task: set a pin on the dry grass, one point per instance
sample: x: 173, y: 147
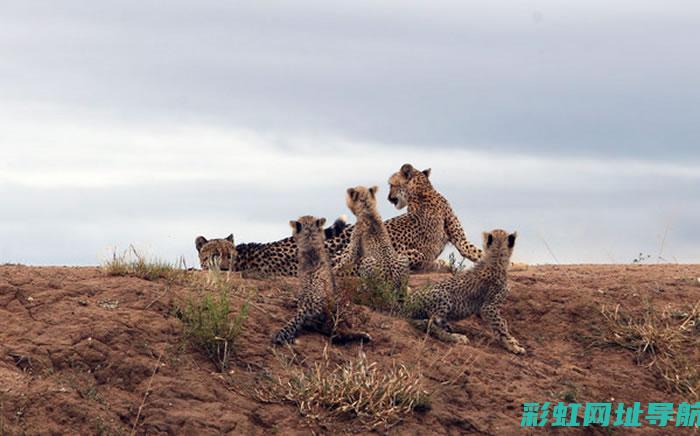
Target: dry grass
x: 133, y: 263
x: 377, y: 396
x: 666, y: 341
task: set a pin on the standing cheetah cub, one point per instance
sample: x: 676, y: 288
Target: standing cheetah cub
x: 318, y: 305
x: 370, y: 251
x: 480, y: 290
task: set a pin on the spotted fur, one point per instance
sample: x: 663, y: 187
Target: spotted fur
x: 480, y: 290
x: 370, y: 252
x: 420, y: 235
x: 216, y: 253
x: 273, y: 258
x: 318, y: 302
x: 429, y: 223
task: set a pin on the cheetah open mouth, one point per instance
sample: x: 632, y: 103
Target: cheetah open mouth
x: 398, y: 202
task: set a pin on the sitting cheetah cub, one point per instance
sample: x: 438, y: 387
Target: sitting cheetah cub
x: 318, y: 305
x: 370, y: 251
x: 480, y: 290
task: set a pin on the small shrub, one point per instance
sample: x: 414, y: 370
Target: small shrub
x: 133, y: 263
x: 358, y: 389
x: 374, y: 291
x: 667, y: 342
x: 211, y: 326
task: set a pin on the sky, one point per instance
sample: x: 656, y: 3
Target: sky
x: 150, y: 122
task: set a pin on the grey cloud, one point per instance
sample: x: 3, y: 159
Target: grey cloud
x: 549, y: 78
x: 614, y: 83
x: 76, y: 226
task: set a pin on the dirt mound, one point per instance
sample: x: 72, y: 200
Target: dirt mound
x: 82, y: 352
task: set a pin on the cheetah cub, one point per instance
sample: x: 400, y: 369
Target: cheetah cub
x: 318, y: 305
x: 480, y: 290
x: 370, y: 251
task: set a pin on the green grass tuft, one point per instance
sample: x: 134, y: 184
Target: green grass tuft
x: 211, y: 325
x: 374, y: 292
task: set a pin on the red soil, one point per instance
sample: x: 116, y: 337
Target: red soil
x: 78, y: 350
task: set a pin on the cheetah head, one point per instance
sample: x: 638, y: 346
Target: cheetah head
x: 216, y: 253
x: 308, y: 227
x: 499, y: 241
x: 405, y: 180
x: 309, y: 235
x: 360, y: 199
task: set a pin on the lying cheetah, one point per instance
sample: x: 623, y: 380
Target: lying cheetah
x: 217, y: 253
x: 480, y: 290
x: 277, y: 257
x: 318, y: 304
x: 370, y: 252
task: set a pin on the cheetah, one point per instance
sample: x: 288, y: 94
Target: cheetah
x: 480, y: 290
x: 370, y: 252
x: 429, y: 223
x: 216, y: 253
x: 319, y: 303
x: 267, y: 258
x: 420, y: 234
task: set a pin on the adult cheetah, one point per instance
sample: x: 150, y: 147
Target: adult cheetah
x: 274, y: 258
x: 216, y: 253
x: 319, y: 306
x: 370, y: 252
x: 480, y: 290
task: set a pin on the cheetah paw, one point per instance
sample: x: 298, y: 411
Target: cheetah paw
x: 459, y: 338
x: 514, y: 347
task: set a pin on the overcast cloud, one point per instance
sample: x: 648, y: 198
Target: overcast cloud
x: 151, y: 122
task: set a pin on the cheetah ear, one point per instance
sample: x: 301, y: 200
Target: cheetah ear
x: 320, y: 222
x: 407, y: 170
x: 373, y: 190
x: 295, y: 225
x: 511, y: 239
x: 352, y: 194
x: 230, y: 238
x: 488, y: 239
x: 199, y: 242
x: 427, y: 172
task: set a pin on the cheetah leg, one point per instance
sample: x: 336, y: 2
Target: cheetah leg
x: 345, y: 262
x: 291, y: 329
x: 400, y: 273
x: 414, y: 258
x: 491, y: 314
x: 456, y: 236
x: 340, y: 332
x: 345, y: 336
x: 438, y: 332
